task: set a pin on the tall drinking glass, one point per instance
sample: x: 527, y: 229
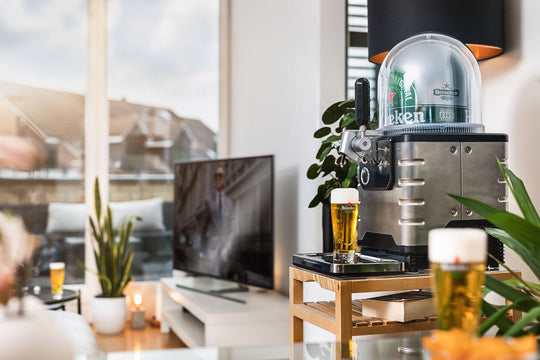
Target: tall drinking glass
x: 344, y: 210
x: 57, y: 270
x: 458, y: 260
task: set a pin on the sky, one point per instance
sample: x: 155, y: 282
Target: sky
x: 161, y: 52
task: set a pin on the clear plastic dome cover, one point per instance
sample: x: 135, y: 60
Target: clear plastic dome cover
x: 430, y: 83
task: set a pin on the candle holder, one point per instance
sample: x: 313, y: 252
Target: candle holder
x: 137, y: 315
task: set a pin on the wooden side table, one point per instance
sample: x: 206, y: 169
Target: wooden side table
x: 343, y: 317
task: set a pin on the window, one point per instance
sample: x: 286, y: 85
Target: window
x: 163, y: 105
x: 42, y: 86
x: 163, y: 90
x: 358, y: 64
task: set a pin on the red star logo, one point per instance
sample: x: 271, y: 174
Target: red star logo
x: 446, y: 85
x: 391, y: 98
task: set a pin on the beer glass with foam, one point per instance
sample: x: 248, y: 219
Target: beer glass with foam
x: 457, y: 259
x: 344, y: 210
x: 57, y: 270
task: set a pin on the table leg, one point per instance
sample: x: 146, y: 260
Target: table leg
x: 343, y: 329
x: 79, y: 302
x: 296, y: 296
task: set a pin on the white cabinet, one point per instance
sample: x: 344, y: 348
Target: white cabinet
x: 203, y: 320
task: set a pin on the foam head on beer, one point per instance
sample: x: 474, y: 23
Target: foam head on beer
x: 457, y: 245
x: 344, y: 196
x: 57, y: 265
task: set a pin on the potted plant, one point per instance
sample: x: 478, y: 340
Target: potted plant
x: 522, y: 235
x: 113, y: 258
x: 330, y: 165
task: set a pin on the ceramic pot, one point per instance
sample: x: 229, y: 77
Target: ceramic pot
x: 109, y: 314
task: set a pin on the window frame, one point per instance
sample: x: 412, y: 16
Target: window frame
x: 96, y: 117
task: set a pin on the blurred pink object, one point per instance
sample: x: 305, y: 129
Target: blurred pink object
x: 20, y: 154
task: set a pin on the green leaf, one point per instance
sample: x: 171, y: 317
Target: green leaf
x: 514, y: 225
x: 520, y: 325
x: 322, y: 132
x: 327, y: 193
x: 97, y: 200
x: 342, y: 172
x: 331, y: 139
x: 524, y: 251
x: 346, y: 183
x: 518, y: 229
x: 113, y: 258
x: 346, y: 120
x: 324, y: 151
x: 313, y: 171
x: 332, y: 114
x: 520, y: 194
x: 321, y: 189
x: 524, y: 301
x: 335, y: 111
x: 353, y: 168
x: 494, y: 318
x: 328, y: 164
x: 502, y: 323
x: 315, y: 201
x: 348, y: 104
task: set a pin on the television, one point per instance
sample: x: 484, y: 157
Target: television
x: 224, y: 219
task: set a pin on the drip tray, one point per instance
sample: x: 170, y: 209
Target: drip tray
x: 363, y: 264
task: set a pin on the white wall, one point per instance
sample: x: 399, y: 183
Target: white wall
x: 287, y: 64
x: 511, y: 97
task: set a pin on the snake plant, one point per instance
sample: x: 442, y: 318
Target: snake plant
x: 522, y: 235
x: 112, y: 253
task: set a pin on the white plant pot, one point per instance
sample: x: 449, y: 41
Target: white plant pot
x: 109, y: 314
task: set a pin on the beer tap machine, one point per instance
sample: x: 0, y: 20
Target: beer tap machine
x: 430, y: 142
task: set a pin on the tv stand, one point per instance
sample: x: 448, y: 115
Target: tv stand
x: 202, y: 320
x: 239, y: 288
x: 216, y: 293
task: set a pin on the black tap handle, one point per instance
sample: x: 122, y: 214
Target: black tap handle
x: 361, y: 101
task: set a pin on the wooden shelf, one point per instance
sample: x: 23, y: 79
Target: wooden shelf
x: 343, y: 317
x: 364, y: 325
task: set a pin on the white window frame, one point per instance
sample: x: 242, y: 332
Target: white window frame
x: 96, y: 118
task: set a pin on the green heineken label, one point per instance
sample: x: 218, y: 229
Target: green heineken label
x: 428, y: 114
x: 401, y: 93
x: 404, y: 106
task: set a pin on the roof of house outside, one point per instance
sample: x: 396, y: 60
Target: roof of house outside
x: 54, y: 114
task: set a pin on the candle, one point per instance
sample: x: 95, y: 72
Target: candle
x: 137, y: 315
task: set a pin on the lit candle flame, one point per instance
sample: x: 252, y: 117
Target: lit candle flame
x: 137, y: 299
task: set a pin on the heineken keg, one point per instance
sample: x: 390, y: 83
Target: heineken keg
x: 430, y: 83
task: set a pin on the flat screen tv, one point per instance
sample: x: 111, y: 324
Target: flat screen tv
x: 223, y: 219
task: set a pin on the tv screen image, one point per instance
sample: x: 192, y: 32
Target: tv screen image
x: 223, y: 219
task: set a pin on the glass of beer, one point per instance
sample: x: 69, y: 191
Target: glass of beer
x: 57, y: 270
x: 458, y: 260
x: 344, y: 210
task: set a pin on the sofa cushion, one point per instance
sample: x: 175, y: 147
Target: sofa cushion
x: 150, y: 210
x: 71, y: 217
x: 66, y: 217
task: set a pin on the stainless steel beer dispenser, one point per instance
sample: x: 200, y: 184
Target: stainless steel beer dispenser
x: 430, y: 142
